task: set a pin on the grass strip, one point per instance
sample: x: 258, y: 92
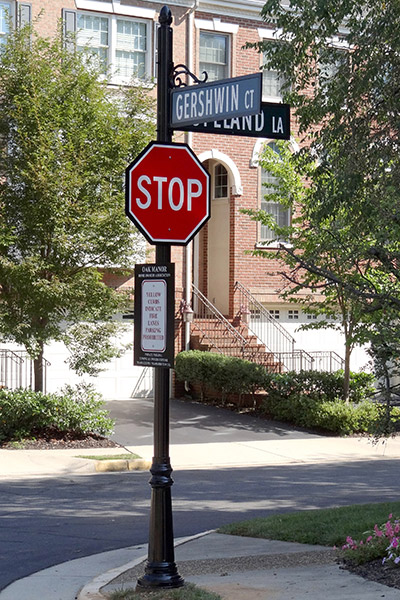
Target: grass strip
x: 187, y: 592
x: 326, y: 527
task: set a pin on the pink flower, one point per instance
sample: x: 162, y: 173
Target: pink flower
x: 378, y: 532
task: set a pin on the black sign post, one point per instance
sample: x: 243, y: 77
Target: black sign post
x: 161, y: 570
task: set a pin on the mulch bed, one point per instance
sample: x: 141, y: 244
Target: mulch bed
x: 375, y: 571
x: 52, y: 439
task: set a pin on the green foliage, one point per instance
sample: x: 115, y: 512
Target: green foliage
x: 326, y: 527
x: 65, y: 142
x: 309, y: 399
x: 25, y: 413
x: 335, y: 415
x: 219, y: 373
x: 188, y: 592
x: 341, y: 70
x: 383, y: 541
x: 91, y: 345
x: 318, y: 385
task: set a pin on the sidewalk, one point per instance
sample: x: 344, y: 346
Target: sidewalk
x: 45, y: 463
x: 236, y: 568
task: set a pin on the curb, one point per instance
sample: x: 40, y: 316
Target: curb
x: 136, y: 464
x: 91, y: 591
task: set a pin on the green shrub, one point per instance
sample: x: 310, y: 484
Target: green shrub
x: 335, y: 416
x: 219, y: 373
x: 24, y: 413
x: 320, y: 385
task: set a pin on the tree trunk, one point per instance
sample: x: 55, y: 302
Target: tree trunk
x: 38, y: 372
x: 346, y: 378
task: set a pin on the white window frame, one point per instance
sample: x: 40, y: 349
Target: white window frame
x: 265, y: 35
x: 219, y: 28
x: 227, y: 50
x: 19, y: 12
x: 10, y: 8
x: 264, y: 241
x: 112, y: 45
x: 215, y: 167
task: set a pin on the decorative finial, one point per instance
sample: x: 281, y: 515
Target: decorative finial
x: 165, y: 16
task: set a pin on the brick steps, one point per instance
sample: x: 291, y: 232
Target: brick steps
x: 208, y: 335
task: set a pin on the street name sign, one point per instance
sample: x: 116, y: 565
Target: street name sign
x: 273, y: 122
x: 154, y: 315
x: 167, y: 193
x: 222, y: 99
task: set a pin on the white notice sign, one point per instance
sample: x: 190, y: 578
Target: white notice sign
x: 154, y: 316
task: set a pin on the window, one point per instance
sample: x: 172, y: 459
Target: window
x: 131, y: 48
x: 214, y: 55
x: 329, y: 62
x: 271, y: 85
x: 293, y: 315
x: 120, y: 44
x: 93, y: 35
x: 280, y: 214
x: 5, y: 9
x: 274, y: 312
x: 7, y: 12
x: 311, y: 317
x: 220, y: 182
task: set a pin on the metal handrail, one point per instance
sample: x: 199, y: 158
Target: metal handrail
x: 21, y: 375
x: 280, y: 343
x: 329, y: 358
x: 212, y: 311
x: 252, y: 302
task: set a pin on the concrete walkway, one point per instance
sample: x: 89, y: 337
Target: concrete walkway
x: 15, y: 464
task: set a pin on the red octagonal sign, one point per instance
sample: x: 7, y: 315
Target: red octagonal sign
x: 167, y: 193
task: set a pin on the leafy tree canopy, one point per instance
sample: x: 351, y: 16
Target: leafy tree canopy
x: 66, y: 139
x: 340, y: 64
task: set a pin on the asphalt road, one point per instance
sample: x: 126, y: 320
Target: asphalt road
x: 52, y: 520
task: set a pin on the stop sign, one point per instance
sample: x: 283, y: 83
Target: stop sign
x: 167, y: 193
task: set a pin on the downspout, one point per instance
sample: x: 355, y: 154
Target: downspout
x: 189, y: 140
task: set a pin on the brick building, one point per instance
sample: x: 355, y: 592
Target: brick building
x: 209, y: 35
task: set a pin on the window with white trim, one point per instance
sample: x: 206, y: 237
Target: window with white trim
x: 272, y: 84
x: 293, y: 315
x: 214, y: 55
x: 5, y: 11
x: 9, y: 11
x: 121, y: 45
x: 220, y: 181
x: 280, y: 213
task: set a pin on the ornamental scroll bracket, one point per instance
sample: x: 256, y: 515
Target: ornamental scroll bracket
x: 176, y: 80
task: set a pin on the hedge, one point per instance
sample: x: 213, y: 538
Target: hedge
x: 25, y: 413
x: 310, y: 399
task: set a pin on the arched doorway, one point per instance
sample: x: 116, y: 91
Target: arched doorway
x: 212, y: 247
x: 218, y: 239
